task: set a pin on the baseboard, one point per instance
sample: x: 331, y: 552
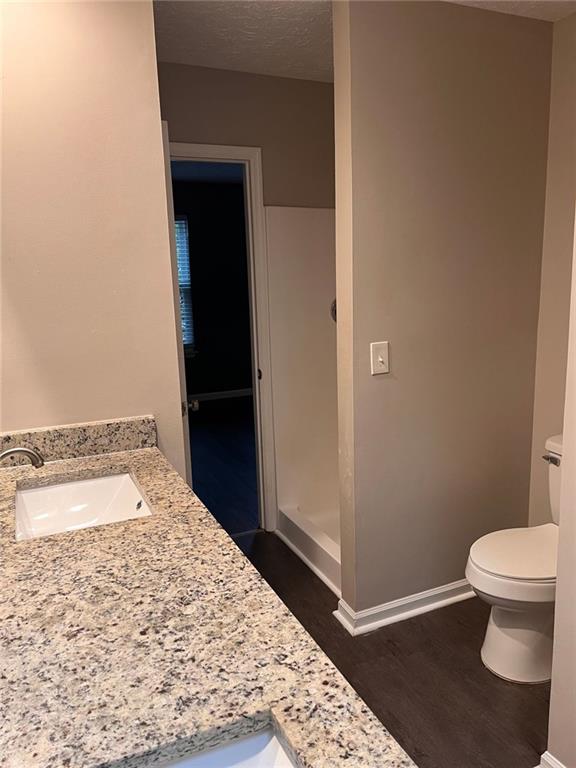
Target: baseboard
x: 549, y: 761
x: 359, y: 622
x: 312, y: 546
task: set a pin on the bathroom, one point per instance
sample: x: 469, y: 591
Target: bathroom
x: 454, y: 220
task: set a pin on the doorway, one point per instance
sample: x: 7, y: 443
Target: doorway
x: 212, y: 244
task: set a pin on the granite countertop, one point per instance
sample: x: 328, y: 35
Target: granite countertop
x: 134, y: 643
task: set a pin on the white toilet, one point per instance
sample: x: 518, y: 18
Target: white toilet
x: 515, y: 572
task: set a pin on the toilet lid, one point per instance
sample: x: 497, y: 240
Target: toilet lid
x: 518, y: 553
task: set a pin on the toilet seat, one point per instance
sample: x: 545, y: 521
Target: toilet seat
x: 518, y: 553
x: 516, y: 564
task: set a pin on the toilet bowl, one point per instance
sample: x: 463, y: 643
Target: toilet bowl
x: 514, y: 571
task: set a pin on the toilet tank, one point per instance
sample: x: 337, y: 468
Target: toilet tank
x: 554, y: 458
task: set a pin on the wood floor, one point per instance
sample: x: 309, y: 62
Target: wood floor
x: 223, y: 450
x: 423, y: 677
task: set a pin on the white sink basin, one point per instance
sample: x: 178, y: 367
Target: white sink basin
x: 263, y: 750
x: 80, y: 504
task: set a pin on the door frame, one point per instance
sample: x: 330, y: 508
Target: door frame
x: 251, y: 159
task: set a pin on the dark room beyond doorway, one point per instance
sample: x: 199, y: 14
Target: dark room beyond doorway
x: 213, y: 277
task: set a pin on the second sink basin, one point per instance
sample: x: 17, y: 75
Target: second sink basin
x: 261, y: 750
x: 78, y: 504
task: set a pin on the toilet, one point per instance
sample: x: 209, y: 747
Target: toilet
x: 514, y: 571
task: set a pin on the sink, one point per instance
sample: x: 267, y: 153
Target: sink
x: 261, y: 750
x: 79, y: 504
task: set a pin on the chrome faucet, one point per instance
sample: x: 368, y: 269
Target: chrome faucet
x: 35, y: 457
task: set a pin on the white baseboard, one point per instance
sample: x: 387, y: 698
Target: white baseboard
x: 359, y: 622
x: 549, y: 761
x: 315, y: 548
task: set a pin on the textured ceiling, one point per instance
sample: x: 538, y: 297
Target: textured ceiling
x: 548, y: 10
x: 285, y: 38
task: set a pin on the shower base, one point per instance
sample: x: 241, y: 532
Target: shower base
x: 318, y: 547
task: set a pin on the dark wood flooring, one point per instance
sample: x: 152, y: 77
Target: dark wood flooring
x: 223, y: 452
x: 423, y: 677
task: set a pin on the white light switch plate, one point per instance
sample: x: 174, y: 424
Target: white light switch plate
x: 379, y: 358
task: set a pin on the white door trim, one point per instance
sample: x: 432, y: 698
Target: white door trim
x: 359, y: 622
x: 251, y: 159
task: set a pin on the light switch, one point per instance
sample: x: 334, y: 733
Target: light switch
x: 379, y: 358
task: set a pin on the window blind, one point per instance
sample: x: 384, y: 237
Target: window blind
x: 184, y: 280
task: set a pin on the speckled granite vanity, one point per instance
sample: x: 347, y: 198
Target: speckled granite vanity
x: 131, y: 644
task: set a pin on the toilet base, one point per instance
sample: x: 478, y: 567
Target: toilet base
x: 518, y: 642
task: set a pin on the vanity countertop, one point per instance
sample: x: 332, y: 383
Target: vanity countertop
x: 131, y: 644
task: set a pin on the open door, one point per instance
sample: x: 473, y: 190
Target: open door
x: 174, y: 266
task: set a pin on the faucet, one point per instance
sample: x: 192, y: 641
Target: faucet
x: 35, y: 457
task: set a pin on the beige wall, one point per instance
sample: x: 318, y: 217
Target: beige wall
x: 446, y: 148
x: 88, y: 329
x: 303, y: 340
x: 292, y: 120
x: 556, y: 263
x: 553, y: 352
x: 345, y: 264
x: 561, y: 733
